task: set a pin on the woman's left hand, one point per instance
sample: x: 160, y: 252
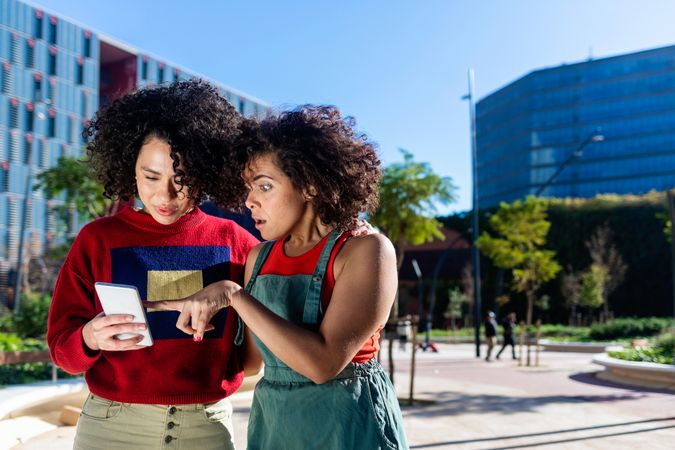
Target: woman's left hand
x: 360, y: 227
x: 197, y: 310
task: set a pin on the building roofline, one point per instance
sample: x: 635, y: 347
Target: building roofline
x: 136, y: 51
x: 565, y: 65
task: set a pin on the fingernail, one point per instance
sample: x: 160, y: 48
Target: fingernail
x: 197, y: 338
x: 129, y: 318
x: 141, y: 327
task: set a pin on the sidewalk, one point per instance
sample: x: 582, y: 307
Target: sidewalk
x: 471, y: 404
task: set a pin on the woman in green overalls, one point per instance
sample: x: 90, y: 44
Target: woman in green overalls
x: 316, y: 298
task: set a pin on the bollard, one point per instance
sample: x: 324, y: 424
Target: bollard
x: 521, y: 341
x: 536, y: 343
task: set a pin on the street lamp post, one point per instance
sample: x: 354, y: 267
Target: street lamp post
x: 593, y: 137
x: 474, y: 226
x: 420, y: 290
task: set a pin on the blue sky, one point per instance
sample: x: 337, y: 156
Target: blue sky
x: 399, y: 67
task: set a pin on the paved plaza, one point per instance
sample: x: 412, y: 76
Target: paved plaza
x: 466, y: 403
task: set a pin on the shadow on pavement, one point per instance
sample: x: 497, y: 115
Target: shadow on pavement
x: 450, y: 403
x: 556, y: 432
x: 591, y: 378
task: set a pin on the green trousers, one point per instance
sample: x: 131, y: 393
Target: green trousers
x: 105, y: 424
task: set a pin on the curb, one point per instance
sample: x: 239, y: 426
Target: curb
x: 644, y: 374
x: 21, y: 396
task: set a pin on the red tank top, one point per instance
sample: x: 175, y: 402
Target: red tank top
x: 278, y: 263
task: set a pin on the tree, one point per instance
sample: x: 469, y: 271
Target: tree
x: 73, y: 178
x: 571, y: 291
x: 592, y: 286
x: 408, y: 193
x: 468, y: 287
x: 521, y: 229
x: 605, y: 255
x: 455, y: 306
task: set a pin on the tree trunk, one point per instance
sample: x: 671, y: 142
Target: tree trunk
x: 530, y: 305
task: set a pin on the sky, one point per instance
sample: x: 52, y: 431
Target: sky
x: 398, y: 67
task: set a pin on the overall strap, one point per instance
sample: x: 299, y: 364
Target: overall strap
x: 262, y: 256
x: 312, y: 308
x: 259, y: 261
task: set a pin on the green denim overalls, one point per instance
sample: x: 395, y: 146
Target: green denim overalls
x: 357, y: 409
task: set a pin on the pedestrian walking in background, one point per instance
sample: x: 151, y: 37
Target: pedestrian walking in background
x: 509, y: 324
x: 490, y: 333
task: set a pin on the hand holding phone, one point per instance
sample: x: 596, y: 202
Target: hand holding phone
x: 120, y: 300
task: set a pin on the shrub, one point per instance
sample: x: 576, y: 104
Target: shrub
x: 10, y: 342
x: 32, y: 318
x: 25, y: 372
x: 662, y: 352
x: 630, y: 327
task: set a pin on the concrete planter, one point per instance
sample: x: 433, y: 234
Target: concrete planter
x: 579, y: 347
x: 24, y: 357
x: 636, y: 373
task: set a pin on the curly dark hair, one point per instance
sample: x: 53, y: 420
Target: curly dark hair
x: 191, y: 116
x: 314, y: 146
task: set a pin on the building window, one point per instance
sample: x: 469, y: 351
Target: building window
x: 49, y: 91
x: 28, y: 149
x: 74, y: 130
x: 5, y: 175
x: 14, y: 146
x: 68, y: 130
x: 51, y: 62
x: 6, y: 78
x: 51, y: 32
x: 87, y: 44
x: 14, y: 113
x: 79, y: 75
x: 241, y: 105
x: 160, y: 73
x: 37, y: 87
x: 44, y: 154
x: 29, y: 117
x: 144, y: 68
x: 15, y: 49
x: 84, y: 107
x: 51, y: 124
x: 38, y: 24
x: 30, y: 53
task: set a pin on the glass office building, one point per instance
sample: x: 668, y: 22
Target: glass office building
x: 529, y: 128
x: 54, y: 74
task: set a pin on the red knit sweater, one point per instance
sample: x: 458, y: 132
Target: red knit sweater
x: 163, y: 262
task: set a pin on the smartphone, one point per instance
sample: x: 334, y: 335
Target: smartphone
x: 124, y: 299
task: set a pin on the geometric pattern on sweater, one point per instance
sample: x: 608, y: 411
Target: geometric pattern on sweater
x: 170, y: 272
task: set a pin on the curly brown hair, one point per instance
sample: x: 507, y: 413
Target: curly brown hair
x: 191, y: 116
x: 315, y: 147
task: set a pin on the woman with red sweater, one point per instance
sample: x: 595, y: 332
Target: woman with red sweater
x: 158, y: 145
x: 316, y: 298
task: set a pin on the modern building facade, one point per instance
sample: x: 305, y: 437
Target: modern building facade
x: 529, y: 128
x: 54, y: 74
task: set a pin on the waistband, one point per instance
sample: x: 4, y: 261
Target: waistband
x: 184, y: 407
x: 353, y: 370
